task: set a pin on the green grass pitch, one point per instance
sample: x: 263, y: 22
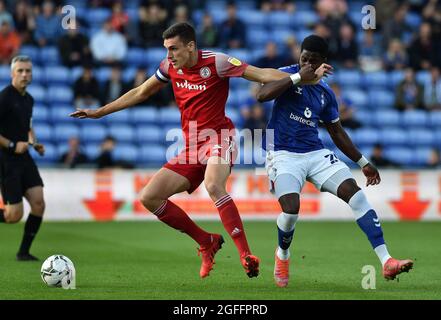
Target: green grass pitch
x: 150, y: 261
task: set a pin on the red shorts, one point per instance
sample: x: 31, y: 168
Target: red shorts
x: 192, y: 163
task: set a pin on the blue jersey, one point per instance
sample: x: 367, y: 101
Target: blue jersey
x: 296, y: 114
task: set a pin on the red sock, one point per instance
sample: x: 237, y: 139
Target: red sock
x: 175, y: 217
x: 233, y: 223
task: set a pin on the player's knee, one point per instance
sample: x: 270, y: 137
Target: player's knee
x: 214, y: 189
x: 347, y: 189
x: 290, y: 203
x: 149, y: 199
x: 38, y: 207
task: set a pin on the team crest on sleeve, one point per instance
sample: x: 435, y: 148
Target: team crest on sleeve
x: 205, y: 72
x: 234, y: 61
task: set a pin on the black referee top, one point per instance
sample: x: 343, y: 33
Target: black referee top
x: 15, y: 119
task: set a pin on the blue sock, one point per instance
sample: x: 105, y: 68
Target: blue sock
x: 285, y: 238
x: 370, y: 224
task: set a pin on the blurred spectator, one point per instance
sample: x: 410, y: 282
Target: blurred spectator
x: 345, y: 109
x: 180, y: 14
x: 9, y: 42
x: 379, y: 160
x: 388, y: 8
x: 396, y: 27
x: 232, y: 31
x: 119, y: 19
x: 293, y: 50
x: 396, y: 56
x: 208, y: 36
x: 86, y: 90
x: 172, y: 5
x: 73, y: 156
x: 432, y: 90
x: 108, y: 46
x: 146, y: 32
x: 256, y: 122
x: 163, y: 97
x: 434, y: 160
x: 48, y: 26
x: 323, y: 31
x: 4, y: 14
x: 409, y: 94
x: 432, y: 14
x: 370, y: 53
x: 424, y: 51
x: 271, y: 59
x: 106, y: 160
x: 74, y: 47
x: 276, y: 5
x: 114, y: 87
x: 24, y: 21
x: 347, y: 53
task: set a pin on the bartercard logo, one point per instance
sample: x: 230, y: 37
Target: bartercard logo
x: 302, y: 120
x: 190, y: 86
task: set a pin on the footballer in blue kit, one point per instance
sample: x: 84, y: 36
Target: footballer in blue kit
x: 297, y: 155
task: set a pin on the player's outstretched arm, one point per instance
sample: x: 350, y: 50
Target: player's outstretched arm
x: 345, y: 144
x: 131, y: 98
x: 306, y: 75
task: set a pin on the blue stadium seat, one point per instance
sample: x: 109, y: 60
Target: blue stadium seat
x: 97, y: 16
x: 358, y: 97
x: 57, y: 75
x: 326, y: 138
x: 93, y: 132
x: 128, y: 74
x: 394, y: 137
x: 63, y: 132
x: 103, y: 74
x: 304, y: 19
x: 133, y: 14
x: 38, y: 75
x: 245, y: 5
x: 76, y: 73
x: 43, y: 131
x: 59, y: 94
x: 387, y: 118
x: 126, y: 151
x: 234, y: 115
x: 364, y: 116
x: 40, y: 113
x: 400, y: 155
x: 5, y: 73
x: 239, y: 83
x: 422, y: 156
x: 92, y: 150
x: 32, y: 52
x: 144, y: 114
x: 377, y: 79
x: 215, y: 5
x: 414, y: 118
x: 302, y: 34
x: 435, y: 119
x: 277, y: 19
x: 366, y: 136
x: 253, y: 18
x: 348, y: 78
x: 122, y: 116
x: 153, y: 154
x: 154, y: 56
x: 381, y: 99
x: 413, y: 20
x: 49, y: 56
x: 149, y: 134
x: 233, y: 98
x: 280, y: 36
x: 136, y: 57
x: 423, y: 76
x: 421, y: 137
x: 257, y: 37
x: 121, y: 132
x: 170, y: 116
x: 242, y: 95
x: 438, y: 138
x: 37, y: 92
x: 60, y: 113
x: 241, y: 54
x: 395, y: 77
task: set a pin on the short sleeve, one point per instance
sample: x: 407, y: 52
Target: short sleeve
x: 329, y: 113
x: 227, y: 66
x: 162, y: 71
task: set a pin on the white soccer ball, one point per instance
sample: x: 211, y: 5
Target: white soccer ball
x: 57, y: 268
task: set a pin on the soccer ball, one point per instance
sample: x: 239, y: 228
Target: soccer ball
x: 57, y: 269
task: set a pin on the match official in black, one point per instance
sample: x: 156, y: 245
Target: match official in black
x: 19, y: 176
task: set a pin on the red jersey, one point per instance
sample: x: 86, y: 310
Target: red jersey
x: 202, y: 90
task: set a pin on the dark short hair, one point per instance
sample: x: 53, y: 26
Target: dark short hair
x: 183, y: 30
x: 315, y: 43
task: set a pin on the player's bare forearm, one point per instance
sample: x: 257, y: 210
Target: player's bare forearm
x: 342, y: 141
x: 272, y: 90
x: 263, y: 75
x: 4, y: 142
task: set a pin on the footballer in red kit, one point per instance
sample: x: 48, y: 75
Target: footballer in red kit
x: 200, y: 81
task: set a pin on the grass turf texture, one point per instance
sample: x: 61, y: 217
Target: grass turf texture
x: 147, y: 260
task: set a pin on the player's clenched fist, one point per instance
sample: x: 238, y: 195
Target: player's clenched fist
x: 311, y: 76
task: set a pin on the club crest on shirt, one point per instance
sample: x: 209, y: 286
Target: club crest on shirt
x: 307, y: 113
x: 234, y: 61
x: 205, y: 72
